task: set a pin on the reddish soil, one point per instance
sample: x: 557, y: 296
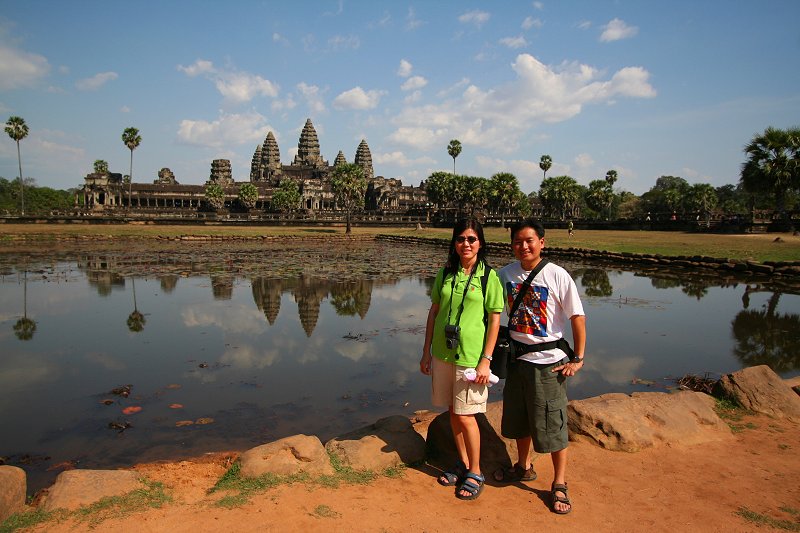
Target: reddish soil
x: 670, y: 488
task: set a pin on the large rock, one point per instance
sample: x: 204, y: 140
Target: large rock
x: 496, y: 451
x: 75, y: 488
x: 13, y: 484
x: 646, y: 419
x: 389, y: 442
x: 288, y: 456
x: 794, y: 383
x: 759, y: 389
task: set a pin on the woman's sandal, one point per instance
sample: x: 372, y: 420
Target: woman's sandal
x: 453, y: 476
x: 514, y: 473
x: 473, y: 485
x: 556, y: 488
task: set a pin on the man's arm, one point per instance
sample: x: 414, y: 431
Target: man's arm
x: 578, y: 323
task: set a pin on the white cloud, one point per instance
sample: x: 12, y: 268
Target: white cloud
x: 538, y: 5
x: 514, y: 42
x: 96, y: 81
x: 21, y: 69
x: 235, y: 86
x: 400, y: 159
x: 342, y: 42
x: 226, y: 130
x: 280, y: 39
x: 584, y: 25
x: 313, y: 96
x: 124, y: 109
x: 413, y: 83
x: 496, y: 117
x: 584, y: 161
x: 413, y: 98
x: 617, y: 30
x: 531, y: 22
x: 412, y: 22
x: 358, y: 98
x: 475, y: 17
x: 404, y: 70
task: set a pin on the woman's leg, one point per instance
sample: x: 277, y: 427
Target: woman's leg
x: 468, y: 442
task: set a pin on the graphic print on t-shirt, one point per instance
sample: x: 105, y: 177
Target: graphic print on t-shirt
x: 531, y: 315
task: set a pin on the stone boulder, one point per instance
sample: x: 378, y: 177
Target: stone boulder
x: 642, y: 420
x: 794, y: 383
x: 13, y: 484
x: 288, y: 456
x: 389, y: 442
x: 76, y: 488
x: 496, y: 451
x: 760, y: 389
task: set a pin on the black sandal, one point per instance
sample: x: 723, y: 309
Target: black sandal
x: 554, y: 490
x: 514, y: 473
x: 454, y: 476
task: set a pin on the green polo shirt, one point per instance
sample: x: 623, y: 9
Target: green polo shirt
x: 473, y: 330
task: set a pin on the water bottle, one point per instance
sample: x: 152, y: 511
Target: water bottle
x: 470, y: 374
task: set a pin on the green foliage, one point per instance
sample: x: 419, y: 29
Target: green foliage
x: 454, y: 149
x: 349, y: 187
x: 215, y: 195
x: 560, y: 196
x: 773, y: 164
x: 504, y: 193
x: 38, y: 200
x: 100, y: 166
x: 759, y: 519
x: 30, y: 519
x: 545, y: 162
x: 287, y: 197
x: 248, y: 195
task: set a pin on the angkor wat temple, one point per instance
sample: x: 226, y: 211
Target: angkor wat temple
x: 312, y: 173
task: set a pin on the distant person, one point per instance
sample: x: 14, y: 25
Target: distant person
x: 570, y: 228
x: 535, y: 393
x: 457, y: 338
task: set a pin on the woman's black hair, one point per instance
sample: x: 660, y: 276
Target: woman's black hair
x: 453, y: 260
x: 532, y: 223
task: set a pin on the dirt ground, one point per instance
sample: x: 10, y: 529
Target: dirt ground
x: 703, y: 487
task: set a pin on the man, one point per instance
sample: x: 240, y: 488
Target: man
x: 535, y: 393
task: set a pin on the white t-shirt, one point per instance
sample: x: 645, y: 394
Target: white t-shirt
x: 544, y: 312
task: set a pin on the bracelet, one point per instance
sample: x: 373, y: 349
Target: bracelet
x: 487, y: 357
x: 577, y: 359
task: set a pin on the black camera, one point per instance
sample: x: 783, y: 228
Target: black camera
x: 452, y: 335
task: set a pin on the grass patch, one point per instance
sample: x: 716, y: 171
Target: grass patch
x: 760, y: 520
x: 151, y: 496
x: 241, y: 488
x: 733, y: 413
x: 324, y: 511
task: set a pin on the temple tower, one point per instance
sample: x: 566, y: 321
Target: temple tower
x: 308, y: 148
x: 364, y: 158
x: 221, y: 172
x: 340, y: 160
x: 266, y: 165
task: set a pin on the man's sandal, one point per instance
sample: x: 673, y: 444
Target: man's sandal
x: 473, y: 485
x: 556, y: 488
x: 514, y: 473
x: 453, y: 476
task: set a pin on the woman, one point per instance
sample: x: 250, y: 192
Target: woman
x: 460, y: 334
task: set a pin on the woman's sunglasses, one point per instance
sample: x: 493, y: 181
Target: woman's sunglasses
x: 472, y: 239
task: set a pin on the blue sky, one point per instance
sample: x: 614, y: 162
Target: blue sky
x: 642, y: 87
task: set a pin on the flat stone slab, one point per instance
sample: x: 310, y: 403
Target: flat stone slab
x: 646, y: 419
x: 760, y: 389
x: 13, y: 484
x: 76, y: 488
x: 288, y: 456
x: 387, y: 443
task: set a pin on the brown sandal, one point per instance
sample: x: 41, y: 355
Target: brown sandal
x: 514, y: 474
x: 556, y: 488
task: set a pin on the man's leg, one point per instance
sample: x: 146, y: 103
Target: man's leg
x: 523, y: 452
x: 559, y: 477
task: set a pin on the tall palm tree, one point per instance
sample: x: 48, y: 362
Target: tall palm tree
x: 773, y: 165
x: 349, y: 187
x: 131, y: 139
x: 545, y: 162
x: 25, y: 327
x: 136, y: 319
x: 18, y: 130
x: 454, y: 149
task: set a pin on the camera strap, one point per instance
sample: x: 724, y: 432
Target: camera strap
x: 463, y: 297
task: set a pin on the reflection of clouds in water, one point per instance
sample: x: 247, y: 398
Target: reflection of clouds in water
x: 250, y: 357
x: 355, y: 350
x: 231, y: 319
x: 396, y: 292
x: 23, y: 374
x: 106, y: 361
x: 312, y: 352
x: 618, y: 371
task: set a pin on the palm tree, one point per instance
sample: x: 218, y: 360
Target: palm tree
x: 773, y: 165
x: 131, y: 139
x: 349, y: 187
x: 545, y: 162
x: 136, y: 320
x: 25, y: 327
x: 18, y: 130
x: 454, y: 149
x: 503, y: 189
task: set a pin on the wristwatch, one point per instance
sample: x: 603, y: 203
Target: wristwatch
x: 576, y: 359
x: 488, y: 357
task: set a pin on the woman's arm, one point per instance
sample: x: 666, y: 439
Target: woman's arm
x: 425, y: 361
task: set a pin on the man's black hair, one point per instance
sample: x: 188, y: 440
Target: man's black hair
x: 532, y: 223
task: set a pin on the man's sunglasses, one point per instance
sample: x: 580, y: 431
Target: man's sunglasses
x: 472, y: 239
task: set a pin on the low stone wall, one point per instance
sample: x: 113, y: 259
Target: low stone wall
x: 768, y: 270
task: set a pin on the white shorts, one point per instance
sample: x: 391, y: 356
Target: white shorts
x: 450, y: 389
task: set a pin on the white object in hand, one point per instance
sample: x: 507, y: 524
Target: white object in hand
x: 470, y: 375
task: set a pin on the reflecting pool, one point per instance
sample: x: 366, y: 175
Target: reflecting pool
x: 130, y: 353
